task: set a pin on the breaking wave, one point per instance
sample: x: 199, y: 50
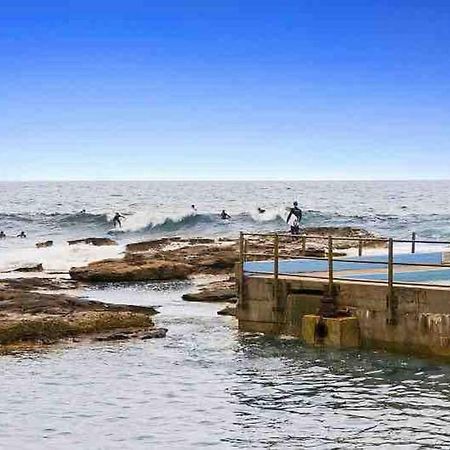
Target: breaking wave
x: 149, y: 223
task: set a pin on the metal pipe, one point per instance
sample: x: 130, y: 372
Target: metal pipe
x: 413, y: 243
x: 303, y: 245
x: 360, y: 247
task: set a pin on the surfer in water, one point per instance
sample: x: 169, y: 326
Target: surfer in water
x: 2, y: 235
x: 22, y: 235
x: 116, y: 220
x: 296, y: 213
x: 194, y: 210
x: 224, y: 215
x: 261, y: 210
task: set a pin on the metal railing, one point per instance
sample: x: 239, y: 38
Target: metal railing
x: 329, y: 257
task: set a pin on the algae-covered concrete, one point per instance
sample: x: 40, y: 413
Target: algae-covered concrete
x: 421, y: 324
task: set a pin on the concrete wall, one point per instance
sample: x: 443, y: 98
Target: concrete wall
x: 422, y: 324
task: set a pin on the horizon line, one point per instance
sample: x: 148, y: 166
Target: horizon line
x: 228, y: 180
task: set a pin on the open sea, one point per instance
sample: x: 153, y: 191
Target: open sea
x: 207, y: 385
x: 51, y: 211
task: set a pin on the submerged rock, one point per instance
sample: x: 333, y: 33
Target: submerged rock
x: 113, y: 337
x: 157, y: 333
x: 35, y: 268
x: 44, y: 244
x: 93, y: 241
x: 227, y: 311
x: 111, y: 270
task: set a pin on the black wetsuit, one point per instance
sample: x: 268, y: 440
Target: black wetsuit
x: 224, y: 215
x: 298, y: 214
x: 116, y: 220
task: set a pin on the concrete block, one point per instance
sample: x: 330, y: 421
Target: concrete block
x: 309, y: 325
x: 341, y: 332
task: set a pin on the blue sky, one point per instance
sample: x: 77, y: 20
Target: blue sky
x: 224, y: 89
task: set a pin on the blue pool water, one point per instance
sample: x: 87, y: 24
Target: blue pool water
x: 293, y: 266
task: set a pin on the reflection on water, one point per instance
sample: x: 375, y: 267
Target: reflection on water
x: 208, y: 385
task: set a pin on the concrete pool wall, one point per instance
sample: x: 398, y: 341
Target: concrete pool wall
x: 422, y: 314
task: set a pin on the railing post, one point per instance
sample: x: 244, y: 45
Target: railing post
x: 330, y: 265
x: 245, y: 250
x: 304, y: 245
x: 276, y: 252
x: 360, y: 247
x: 413, y: 242
x: 241, y: 269
x: 391, y: 299
x: 391, y: 265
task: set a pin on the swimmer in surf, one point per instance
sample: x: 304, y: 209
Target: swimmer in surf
x: 22, y: 235
x: 261, y: 210
x: 2, y: 235
x: 224, y: 215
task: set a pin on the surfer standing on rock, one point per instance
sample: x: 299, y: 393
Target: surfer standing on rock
x: 297, y: 213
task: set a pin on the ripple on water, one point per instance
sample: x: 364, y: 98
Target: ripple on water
x: 206, y: 384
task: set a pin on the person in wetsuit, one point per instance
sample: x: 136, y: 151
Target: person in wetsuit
x: 22, y: 235
x: 261, y: 210
x: 2, y: 235
x: 224, y: 215
x: 296, y: 212
x: 116, y: 220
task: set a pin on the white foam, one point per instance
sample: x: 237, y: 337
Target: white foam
x: 59, y: 258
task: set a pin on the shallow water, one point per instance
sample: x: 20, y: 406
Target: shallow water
x: 208, y: 385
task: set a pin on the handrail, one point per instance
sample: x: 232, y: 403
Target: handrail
x: 390, y: 262
x: 348, y: 238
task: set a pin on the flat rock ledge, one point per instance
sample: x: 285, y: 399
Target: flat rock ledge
x: 35, y: 317
x: 120, y: 270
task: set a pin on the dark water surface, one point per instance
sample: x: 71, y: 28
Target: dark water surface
x: 208, y: 385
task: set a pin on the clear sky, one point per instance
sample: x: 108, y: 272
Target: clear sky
x: 224, y: 89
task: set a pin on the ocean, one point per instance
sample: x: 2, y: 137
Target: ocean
x: 52, y: 211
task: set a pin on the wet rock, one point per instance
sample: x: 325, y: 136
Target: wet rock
x: 145, y: 246
x: 35, y: 268
x: 31, y: 316
x: 93, y: 241
x: 211, y: 295
x: 114, y: 337
x: 197, y: 240
x: 227, y: 311
x: 44, y: 244
x: 157, y: 333
x: 115, y: 270
x: 39, y: 283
